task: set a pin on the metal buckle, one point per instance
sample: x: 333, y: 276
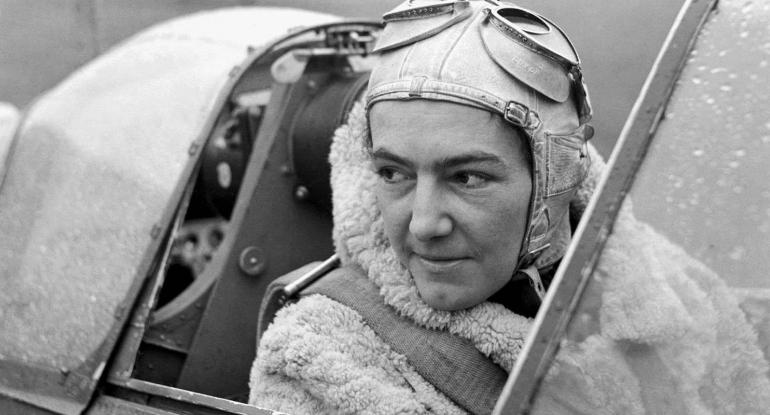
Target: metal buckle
x: 519, y: 115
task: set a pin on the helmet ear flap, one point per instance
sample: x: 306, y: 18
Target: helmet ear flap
x: 560, y: 163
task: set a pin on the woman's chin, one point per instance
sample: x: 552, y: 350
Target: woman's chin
x: 447, y: 290
x: 443, y: 299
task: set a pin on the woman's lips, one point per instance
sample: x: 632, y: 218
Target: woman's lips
x: 438, y: 264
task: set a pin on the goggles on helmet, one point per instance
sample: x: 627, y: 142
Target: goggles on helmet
x: 530, y: 28
x: 551, y: 64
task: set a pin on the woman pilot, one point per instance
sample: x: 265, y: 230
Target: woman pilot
x: 452, y: 188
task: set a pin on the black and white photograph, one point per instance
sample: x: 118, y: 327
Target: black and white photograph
x: 265, y: 207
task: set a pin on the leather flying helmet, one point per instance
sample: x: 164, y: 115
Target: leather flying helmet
x: 509, y: 61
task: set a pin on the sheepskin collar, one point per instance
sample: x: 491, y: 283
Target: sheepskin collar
x: 359, y: 238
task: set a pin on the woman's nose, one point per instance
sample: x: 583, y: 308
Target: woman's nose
x: 429, y: 216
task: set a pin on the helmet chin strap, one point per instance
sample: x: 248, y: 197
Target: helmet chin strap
x: 531, y: 272
x: 534, y: 279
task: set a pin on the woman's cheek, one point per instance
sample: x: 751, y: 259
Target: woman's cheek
x: 395, y: 220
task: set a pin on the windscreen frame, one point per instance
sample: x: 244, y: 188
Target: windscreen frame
x: 591, y: 234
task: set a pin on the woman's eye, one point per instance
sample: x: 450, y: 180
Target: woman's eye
x: 471, y: 180
x: 391, y: 175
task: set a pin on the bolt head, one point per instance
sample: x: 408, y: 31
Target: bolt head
x: 301, y: 193
x: 252, y: 261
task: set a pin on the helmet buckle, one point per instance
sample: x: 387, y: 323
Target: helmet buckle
x: 519, y: 115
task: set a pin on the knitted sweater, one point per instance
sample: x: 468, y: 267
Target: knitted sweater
x: 319, y: 356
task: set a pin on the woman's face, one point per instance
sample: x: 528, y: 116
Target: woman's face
x: 454, y: 193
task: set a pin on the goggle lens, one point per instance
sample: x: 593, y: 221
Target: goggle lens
x: 538, y: 33
x: 525, y: 21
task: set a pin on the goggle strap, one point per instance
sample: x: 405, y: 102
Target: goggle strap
x: 388, y: 44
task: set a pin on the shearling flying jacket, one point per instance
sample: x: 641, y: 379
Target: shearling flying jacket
x: 669, y: 337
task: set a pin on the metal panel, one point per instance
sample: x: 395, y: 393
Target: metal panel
x: 276, y: 225
x: 123, y: 364
x: 106, y: 405
x: 153, y: 399
x: 592, y: 233
x: 10, y: 406
x: 282, y: 232
x: 122, y: 173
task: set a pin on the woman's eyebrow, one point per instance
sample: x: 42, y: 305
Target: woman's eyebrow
x: 472, y: 157
x: 384, y: 154
x: 445, y: 163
